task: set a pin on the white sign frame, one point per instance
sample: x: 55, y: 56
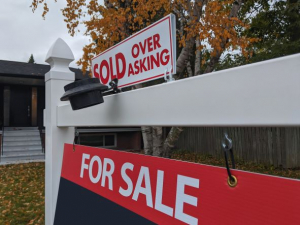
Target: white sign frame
x: 260, y: 94
x: 152, y: 55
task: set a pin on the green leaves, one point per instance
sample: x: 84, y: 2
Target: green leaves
x: 276, y: 24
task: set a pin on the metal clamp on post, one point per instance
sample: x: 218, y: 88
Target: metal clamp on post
x: 227, y: 147
x: 168, y: 75
x: 114, y: 86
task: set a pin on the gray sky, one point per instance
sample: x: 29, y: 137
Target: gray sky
x: 23, y: 33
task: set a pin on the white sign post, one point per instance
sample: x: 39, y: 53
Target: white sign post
x: 59, y: 57
x: 147, y: 55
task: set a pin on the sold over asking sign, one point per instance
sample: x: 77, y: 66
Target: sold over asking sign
x: 144, y: 56
x: 100, y: 186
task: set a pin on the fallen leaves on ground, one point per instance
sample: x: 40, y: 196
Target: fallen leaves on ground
x: 22, y: 195
x: 240, y: 164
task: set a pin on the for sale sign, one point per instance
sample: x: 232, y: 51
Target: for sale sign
x: 100, y: 186
x: 144, y: 56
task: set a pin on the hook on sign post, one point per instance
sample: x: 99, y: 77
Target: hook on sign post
x: 168, y: 75
x: 227, y: 146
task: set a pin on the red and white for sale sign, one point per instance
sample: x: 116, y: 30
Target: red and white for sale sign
x: 100, y: 186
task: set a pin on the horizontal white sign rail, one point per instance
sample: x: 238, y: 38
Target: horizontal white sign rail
x: 261, y: 94
x: 142, y: 57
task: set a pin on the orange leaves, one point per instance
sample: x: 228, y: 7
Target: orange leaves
x: 73, y: 13
x: 115, y: 20
x: 219, y: 29
x: 22, y: 193
x: 46, y: 10
x: 35, y: 4
x: 93, y: 35
x: 215, y: 29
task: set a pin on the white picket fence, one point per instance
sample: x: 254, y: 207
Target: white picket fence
x: 250, y: 95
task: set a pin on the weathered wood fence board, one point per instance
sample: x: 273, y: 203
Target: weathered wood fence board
x: 268, y: 145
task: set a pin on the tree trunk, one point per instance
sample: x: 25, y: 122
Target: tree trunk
x: 148, y: 140
x: 183, y: 57
x: 189, y: 69
x: 181, y: 63
x: 157, y: 134
x: 198, y: 58
x: 171, y: 139
x: 147, y: 132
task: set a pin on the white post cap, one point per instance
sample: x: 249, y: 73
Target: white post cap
x: 59, y: 57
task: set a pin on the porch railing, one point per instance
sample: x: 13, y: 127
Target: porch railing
x: 41, y: 137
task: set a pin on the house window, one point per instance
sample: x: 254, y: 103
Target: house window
x: 98, y: 140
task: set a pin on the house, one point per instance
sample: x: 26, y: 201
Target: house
x: 22, y: 102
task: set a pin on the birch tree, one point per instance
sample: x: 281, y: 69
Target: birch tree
x: 206, y: 29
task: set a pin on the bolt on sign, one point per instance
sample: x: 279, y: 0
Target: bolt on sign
x: 100, y: 186
x: 144, y: 56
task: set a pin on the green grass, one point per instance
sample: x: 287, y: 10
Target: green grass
x: 22, y: 195
x: 22, y: 186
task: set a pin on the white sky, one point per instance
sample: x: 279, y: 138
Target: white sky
x: 23, y: 33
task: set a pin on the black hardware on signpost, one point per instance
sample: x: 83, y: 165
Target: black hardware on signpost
x: 114, y: 86
x: 84, y: 93
x: 227, y: 147
x: 88, y: 92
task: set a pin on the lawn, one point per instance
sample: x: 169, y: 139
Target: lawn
x: 22, y: 186
x: 22, y: 195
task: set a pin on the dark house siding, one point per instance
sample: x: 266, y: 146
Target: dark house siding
x: 18, y: 79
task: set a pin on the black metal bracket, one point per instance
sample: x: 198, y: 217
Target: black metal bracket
x: 227, y: 147
x: 114, y: 86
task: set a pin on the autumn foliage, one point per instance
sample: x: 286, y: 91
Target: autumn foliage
x: 206, y: 30
x: 208, y: 23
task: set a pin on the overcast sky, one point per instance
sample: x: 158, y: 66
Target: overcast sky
x: 23, y: 33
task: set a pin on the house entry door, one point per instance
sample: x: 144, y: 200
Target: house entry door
x: 20, y: 106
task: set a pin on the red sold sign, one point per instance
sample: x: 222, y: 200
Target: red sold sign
x: 100, y: 186
x: 142, y: 57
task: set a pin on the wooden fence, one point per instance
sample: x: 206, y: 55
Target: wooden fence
x: 267, y: 145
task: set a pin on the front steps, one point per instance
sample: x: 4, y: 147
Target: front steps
x: 21, y: 143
